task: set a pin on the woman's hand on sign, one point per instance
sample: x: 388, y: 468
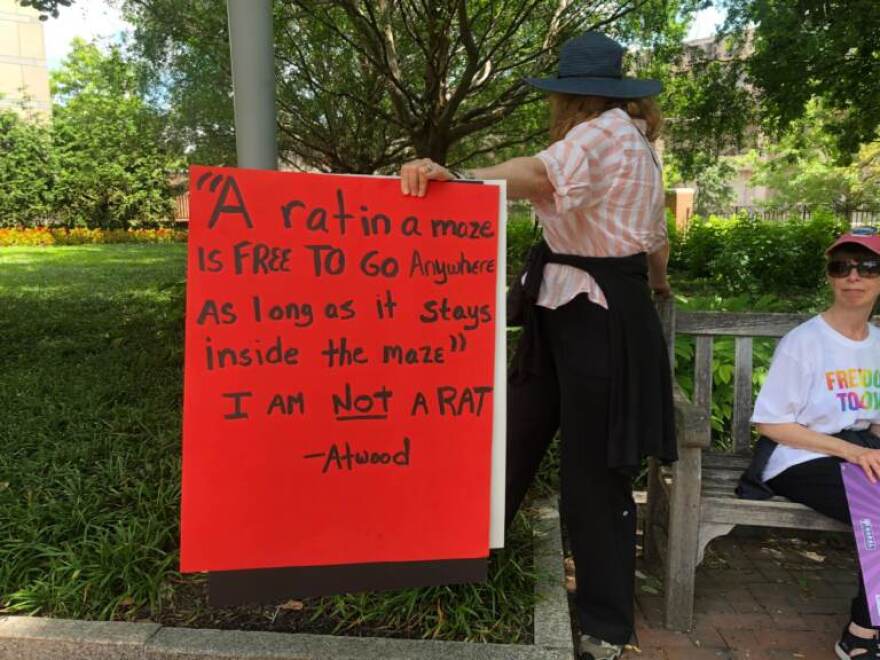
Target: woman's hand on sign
x: 414, y: 176
x: 869, y: 460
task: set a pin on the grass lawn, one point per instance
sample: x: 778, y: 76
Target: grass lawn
x: 90, y: 389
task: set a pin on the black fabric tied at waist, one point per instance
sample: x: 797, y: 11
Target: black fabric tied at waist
x: 751, y: 484
x: 641, y: 415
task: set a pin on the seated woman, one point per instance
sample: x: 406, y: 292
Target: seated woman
x: 820, y: 406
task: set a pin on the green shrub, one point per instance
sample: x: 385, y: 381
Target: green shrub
x: 749, y: 255
x: 698, y: 246
x: 521, y: 234
x: 103, y: 160
x: 26, y: 170
x: 740, y: 254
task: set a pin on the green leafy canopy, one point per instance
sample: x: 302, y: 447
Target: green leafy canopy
x: 114, y: 161
x: 102, y: 160
x: 46, y: 7
x: 798, y: 50
x: 362, y: 86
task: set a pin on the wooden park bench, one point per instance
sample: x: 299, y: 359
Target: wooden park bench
x: 693, y: 501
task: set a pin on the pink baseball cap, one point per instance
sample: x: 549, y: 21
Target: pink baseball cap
x: 868, y: 240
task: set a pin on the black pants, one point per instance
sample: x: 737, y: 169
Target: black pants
x: 819, y: 485
x: 571, y: 393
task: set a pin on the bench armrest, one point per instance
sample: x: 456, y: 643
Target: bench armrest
x: 692, y: 424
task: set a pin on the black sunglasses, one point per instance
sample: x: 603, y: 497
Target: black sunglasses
x: 842, y: 267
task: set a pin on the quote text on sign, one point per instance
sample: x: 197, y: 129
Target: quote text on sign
x: 340, y: 357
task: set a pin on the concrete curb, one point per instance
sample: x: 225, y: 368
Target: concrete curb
x: 36, y: 638
x: 552, y: 619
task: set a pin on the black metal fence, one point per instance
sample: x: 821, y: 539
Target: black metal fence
x: 855, y: 216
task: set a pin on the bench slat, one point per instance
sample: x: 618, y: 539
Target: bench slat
x: 720, y: 491
x: 765, y: 513
x: 714, y: 477
x: 720, y: 461
x: 703, y: 374
x: 742, y: 395
x: 736, y: 324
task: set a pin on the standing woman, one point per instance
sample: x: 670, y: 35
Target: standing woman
x: 592, y: 360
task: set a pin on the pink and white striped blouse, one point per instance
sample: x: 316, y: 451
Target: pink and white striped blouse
x: 608, y: 201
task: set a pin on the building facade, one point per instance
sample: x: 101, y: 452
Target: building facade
x: 24, y: 76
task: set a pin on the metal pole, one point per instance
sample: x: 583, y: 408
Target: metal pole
x: 253, y: 82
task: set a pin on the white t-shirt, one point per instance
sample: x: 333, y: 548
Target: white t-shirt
x: 822, y: 380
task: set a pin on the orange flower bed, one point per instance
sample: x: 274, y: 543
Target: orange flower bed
x: 30, y: 236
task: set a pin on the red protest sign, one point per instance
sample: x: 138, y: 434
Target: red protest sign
x: 339, y: 371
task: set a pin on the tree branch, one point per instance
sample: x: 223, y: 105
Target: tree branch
x: 513, y: 142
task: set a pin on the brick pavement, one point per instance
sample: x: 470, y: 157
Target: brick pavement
x: 757, y: 597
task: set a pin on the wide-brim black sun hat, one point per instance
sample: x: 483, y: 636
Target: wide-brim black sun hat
x: 592, y: 65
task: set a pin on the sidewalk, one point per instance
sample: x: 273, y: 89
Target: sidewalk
x: 757, y: 598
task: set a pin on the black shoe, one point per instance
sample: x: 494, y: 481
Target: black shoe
x: 849, y: 643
